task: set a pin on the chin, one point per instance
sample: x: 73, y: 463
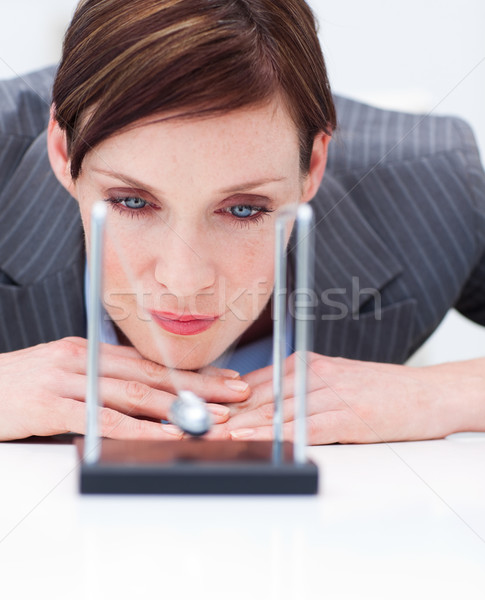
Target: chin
x: 191, y: 362
x: 185, y: 354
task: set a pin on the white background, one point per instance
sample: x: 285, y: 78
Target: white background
x: 418, y: 55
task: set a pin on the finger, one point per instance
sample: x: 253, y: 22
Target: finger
x: 113, y: 424
x: 318, y: 401
x: 217, y: 432
x: 261, y: 395
x: 258, y: 433
x: 119, y: 362
x: 319, y: 364
x: 214, y: 371
x: 129, y: 397
x: 319, y: 377
x: 321, y: 429
x: 259, y: 376
x: 211, y: 388
x: 133, y: 398
x: 219, y: 412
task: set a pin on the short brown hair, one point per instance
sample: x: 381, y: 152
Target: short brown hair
x: 126, y: 60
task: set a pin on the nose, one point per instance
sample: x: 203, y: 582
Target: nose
x: 184, y: 266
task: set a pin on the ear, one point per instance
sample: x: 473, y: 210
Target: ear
x: 57, y: 151
x: 318, y: 163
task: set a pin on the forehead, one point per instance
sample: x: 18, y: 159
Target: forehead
x: 259, y: 140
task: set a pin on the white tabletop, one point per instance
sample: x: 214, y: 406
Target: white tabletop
x: 404, y: 520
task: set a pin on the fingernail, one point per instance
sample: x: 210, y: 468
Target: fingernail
x: 242, y: 434
x: 236, y: 385
x: 217, y: 409
x: 230, y: 373
x: 172, y: 430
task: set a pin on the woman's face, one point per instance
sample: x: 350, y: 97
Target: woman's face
x: 191, y: 212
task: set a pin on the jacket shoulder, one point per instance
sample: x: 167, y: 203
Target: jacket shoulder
x: 367, y: 136
x: 25, y: 104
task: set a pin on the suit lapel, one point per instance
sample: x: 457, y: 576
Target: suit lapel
x: 349, y: 254
x: 352, y: 267
x: 41, y: 256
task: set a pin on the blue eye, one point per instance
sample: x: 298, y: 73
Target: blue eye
x: 246, y: 214
x: 132, y: 206
x: 133, y: 203
x: 242, y: 211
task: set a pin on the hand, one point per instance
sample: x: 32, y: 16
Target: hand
x: 351, y: 401
x: 42, y: 391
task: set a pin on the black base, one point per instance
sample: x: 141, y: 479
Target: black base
x: 196, y: 466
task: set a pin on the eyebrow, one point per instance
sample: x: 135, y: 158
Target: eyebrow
x: 242, y: 187
x: 249, y: 185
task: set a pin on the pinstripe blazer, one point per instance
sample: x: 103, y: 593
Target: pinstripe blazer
x: 400, y: 234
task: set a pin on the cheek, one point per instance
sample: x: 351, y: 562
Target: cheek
x: 120, y: 298
x: 246, y: 257
x: 124, y: 287
x: 128, y: 251
x: 116, y: 276
x: 246, y: 272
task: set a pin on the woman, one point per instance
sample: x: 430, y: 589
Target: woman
x: 197, y: 122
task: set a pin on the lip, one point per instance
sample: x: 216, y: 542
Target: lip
x: 185, y: 324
